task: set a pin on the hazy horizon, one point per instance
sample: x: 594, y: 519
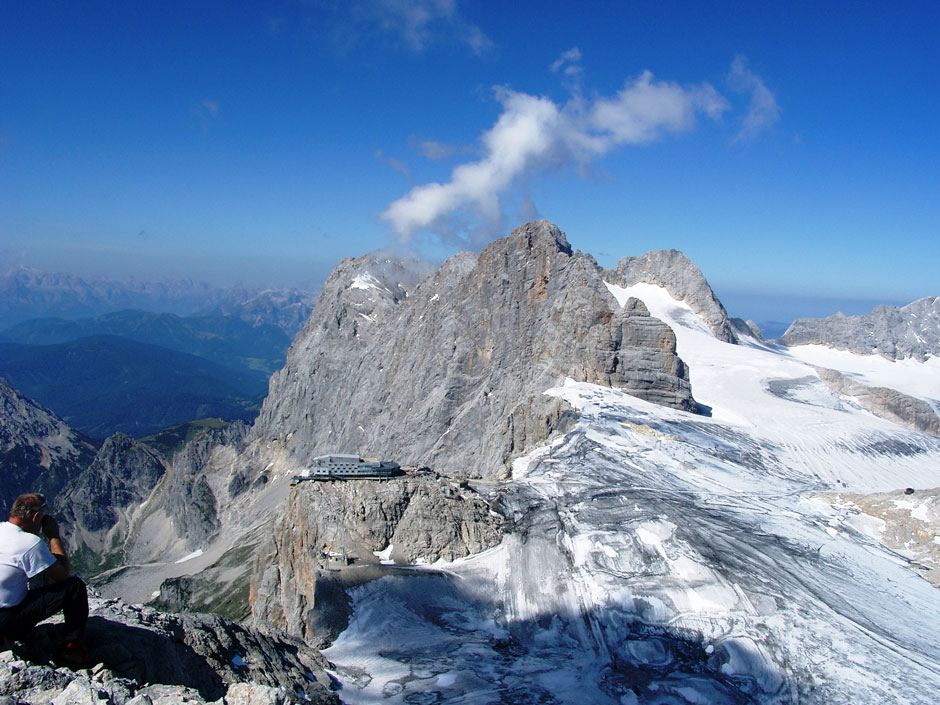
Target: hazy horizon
x: 761, y: 307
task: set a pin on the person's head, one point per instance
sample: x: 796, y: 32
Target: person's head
x: 27, y: 511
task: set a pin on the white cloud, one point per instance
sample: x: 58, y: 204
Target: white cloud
x: 436, y: 151
x: 534, y: 134
x: 572, y: 56
x: 417, y: 24
x: 763, y: 110
x: 569, y: 65
x: 569, y: 60
x: 396, y: 164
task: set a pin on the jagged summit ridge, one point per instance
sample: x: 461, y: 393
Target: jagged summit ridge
x: 894, y: 333
x: 451, y: 373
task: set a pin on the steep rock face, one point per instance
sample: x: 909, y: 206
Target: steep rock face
x: 146, y: 656
x: 883, y: 401
x: 892, y: 332
x: 183, y: 511
x: 451, y: 373
x: 38, y: 451
x: 96, y: 507
x: 188, y: 496
x: 423, y: 517
x: 675, y: 272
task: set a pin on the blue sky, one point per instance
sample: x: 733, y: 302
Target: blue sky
x: 791, y: 150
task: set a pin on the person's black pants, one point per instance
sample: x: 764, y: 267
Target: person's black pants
x: 69, y: 596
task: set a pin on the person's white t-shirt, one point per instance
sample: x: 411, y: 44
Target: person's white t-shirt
x: 22, y: 556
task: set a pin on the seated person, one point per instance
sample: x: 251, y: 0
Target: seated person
x: 24, y: 555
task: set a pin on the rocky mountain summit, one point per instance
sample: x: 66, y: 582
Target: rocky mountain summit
x: 450, y: 373
x: 894, y: 333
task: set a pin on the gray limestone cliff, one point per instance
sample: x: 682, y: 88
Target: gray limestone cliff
x: 675, y: 272
x: 297, y: 584
x: 188, y: 496
x: 894, y: 333
x: 145, y: 657
x: 39, y: 452
x: 451, y: 373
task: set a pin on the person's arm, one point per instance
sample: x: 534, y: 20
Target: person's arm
x: 60, y: 569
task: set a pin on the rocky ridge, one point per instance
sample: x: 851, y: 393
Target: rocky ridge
x: 675, y: 272
x: 885, y: 402
x: 145, y: 657
x: 450, y: 373
x: 446, y: 372
x: 894, y: 333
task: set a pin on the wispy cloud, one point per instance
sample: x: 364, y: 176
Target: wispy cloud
x: 418, y: 24
x: 436, y: 151
x: 569, y: 65
x: 763, y: 110
x: 211, y: 107
x: 396, y: 164
x: 534, y: 134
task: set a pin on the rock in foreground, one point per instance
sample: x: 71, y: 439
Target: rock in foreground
x: 145, y: 657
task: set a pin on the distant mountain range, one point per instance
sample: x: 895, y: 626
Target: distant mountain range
x: 30, y: 293
x: 912, y: 331
x: 104, y: 384
x: 134, y: 356
x: 222, y: 338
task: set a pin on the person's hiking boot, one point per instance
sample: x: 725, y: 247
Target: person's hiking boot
x: 74, y: 656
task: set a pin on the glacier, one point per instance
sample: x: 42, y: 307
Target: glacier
x: 658, y: 556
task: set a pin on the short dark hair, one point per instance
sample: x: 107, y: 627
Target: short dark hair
x: 26, y: 505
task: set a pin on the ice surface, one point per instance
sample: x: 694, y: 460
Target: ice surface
x: 658, y: 556
x: 385, y: 556
x: 190, y: 556
x: 365, y: 281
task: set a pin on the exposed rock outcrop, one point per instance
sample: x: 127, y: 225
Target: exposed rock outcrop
x: 146, y: 657
x: 883, y: 401
x: 892, y: 332
x: 675, y: 272
x: 38, y: 451
x: 424, y: 517
x: 450, y: 373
